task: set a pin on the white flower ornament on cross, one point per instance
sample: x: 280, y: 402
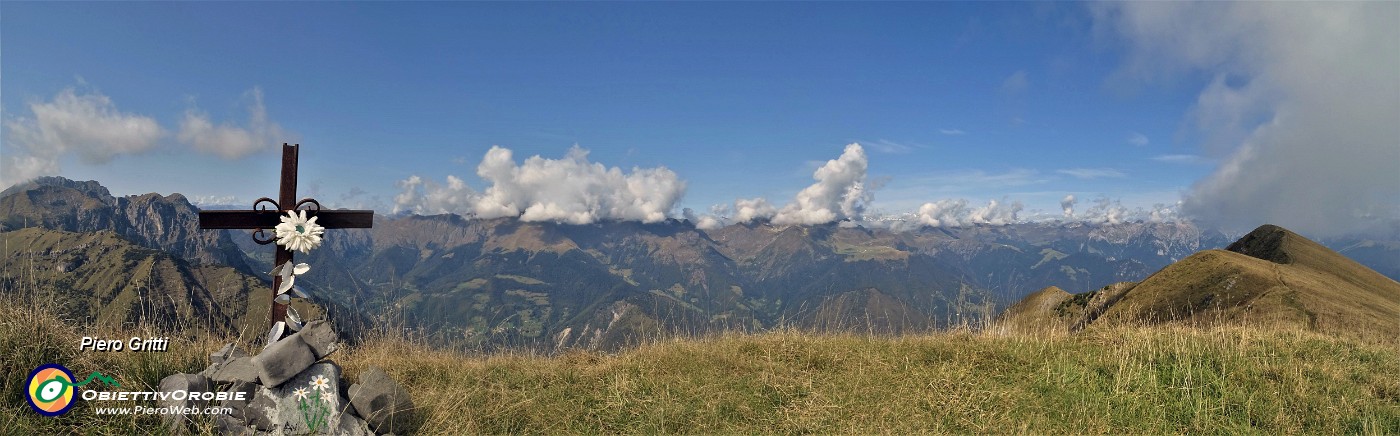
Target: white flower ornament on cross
x: 289, y: 275
x: 298, y: 233
x: 295, y: 233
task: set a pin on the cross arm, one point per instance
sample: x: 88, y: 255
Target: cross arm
x: 267, y: 219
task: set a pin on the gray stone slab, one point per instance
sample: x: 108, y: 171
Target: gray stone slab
x: 237, y: 369
x: 281, y: 410
x: 320, y: 337
x: 229, y: 351
x: 382, y: 402
x: 293, y: 354
x: 240, y: 407
x: 351, y: 425
x: 227, y: 425
x: 283, y: 360
x: 261, y: 412
x: 181, y: 382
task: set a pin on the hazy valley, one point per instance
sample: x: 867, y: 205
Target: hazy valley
x: 485, y: 284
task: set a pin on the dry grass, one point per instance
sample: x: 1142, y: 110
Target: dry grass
x: 1134, y: 380
x: 1161, y: 379
x: 32, y: 333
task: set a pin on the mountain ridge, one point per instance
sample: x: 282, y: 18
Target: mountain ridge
x: 167, y: 223
x: 1269, y: 276
x: 505, y: 282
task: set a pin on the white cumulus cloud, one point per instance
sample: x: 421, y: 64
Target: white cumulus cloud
x: 702, y: 222
x: 746, y: 211
x: 839, y: 194
x: 87, y: 124
x: 1106, y: 211
x: 956, y: 213
x: 1067, y: 204
x: 229, y: 140
x: 943, y: 213
x: 569, y: 190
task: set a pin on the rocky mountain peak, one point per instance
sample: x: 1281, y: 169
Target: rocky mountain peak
x: 91, y: 187
x: 167, y: 223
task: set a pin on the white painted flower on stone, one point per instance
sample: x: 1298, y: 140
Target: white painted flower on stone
x: 300, y: 393
x: 298, y: 233
x: 329, y: 399
x: 320, y: 382
x: 289, y: 274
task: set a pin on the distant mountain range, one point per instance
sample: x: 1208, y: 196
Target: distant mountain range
x: 503, y: 282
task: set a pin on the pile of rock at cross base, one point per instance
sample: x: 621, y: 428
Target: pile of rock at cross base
x: 292, y: 389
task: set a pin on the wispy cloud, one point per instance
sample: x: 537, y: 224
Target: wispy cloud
x: 974, y: 180
x: 1138, y: 139
x: 952, y: 132
x: 1180, y: 159
x: 231, y: 141
x: 889, y: 147
x: 1092, y: 173
x: 909, y: 192
x: 1016, y: 83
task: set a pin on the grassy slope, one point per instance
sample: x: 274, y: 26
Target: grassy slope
x: 1271, y: 276
x: 1301, y: 282
x: 1135, y: 380
x: 1128, y: 380
x: 108, y: 277
x: 1036, y: 312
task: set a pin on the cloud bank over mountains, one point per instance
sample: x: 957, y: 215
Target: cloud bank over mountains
x: 1301, y: 105
x: 956, y: 213
x: 84, y: 123
x: 569, y: 190
x: 574, y: 190
x: 841, y: 193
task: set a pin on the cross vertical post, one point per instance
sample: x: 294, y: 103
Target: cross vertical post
x: 286, y: 198
x: 263, y: 220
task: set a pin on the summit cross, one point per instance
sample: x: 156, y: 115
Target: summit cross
x: 262, y: 220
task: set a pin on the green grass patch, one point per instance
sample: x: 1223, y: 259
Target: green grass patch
x: 520, y: 279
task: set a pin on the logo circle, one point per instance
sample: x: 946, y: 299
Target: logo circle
x: 50, y: 389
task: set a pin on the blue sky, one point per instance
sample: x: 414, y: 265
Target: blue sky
x: 979, y: 101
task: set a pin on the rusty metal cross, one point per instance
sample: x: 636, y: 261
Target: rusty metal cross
x: 262, y: 220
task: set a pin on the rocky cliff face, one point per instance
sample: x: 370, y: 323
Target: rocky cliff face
x: 167, y: 223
